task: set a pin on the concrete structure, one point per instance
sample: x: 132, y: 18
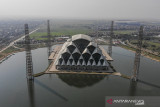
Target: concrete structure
x: 80, y: 53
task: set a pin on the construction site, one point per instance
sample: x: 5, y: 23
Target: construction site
x: 81, y: 54
x: 80, y: 67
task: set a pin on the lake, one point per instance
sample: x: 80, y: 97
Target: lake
x: 73, y: 90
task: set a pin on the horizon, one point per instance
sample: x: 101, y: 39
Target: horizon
x: 75, y: 9
x: 85, y: 19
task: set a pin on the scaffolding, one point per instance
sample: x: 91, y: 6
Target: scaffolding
x: 137, y: 55
x: 29, y: 64
x: 49, y: 38
x: 110, y: 39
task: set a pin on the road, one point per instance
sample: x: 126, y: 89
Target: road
x: 12, y: 43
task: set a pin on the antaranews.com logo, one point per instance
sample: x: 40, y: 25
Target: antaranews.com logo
x: 131, y: 101
x: 127, y: 101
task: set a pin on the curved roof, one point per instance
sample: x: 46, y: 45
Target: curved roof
x: 81, y: 36
x: 84, y: 57
x: 92, y: 44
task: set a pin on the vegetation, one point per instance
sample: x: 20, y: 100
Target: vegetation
x: 39, y: 74
x: 33, y: 46
x: 127, y: 47
x: 62, y: 29
x: 144, y: 53
x: 38, y: 46
x: 1, y: 55
x: 42, y: 35
x: 149, y: 45
x: 10, y: 50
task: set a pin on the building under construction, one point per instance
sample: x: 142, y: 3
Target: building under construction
x: 80, y: 53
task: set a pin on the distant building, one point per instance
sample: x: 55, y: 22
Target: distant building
x: 61, y: 38
x: 81, y: 53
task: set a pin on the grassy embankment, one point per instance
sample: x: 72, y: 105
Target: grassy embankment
x: 148, y: 45
x: 12, y: 50
x: 9, y: 51
x: 151, y: 56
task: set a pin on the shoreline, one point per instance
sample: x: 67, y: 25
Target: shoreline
x: 147, y: 56
x: 8, y: 54
x: 4, y: 55
x: 20, y: 50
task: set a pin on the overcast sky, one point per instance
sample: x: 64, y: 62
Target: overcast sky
x: 90, y: 9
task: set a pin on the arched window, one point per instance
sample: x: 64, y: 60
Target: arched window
x: 71, y: 48
x: 86, y: 57
x: 96, y: 57
x: 76, y: 57
x: 91, y: 49
x: 81, y: 44
x: 66, y: 56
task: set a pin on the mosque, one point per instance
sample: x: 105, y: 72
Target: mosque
x: 80, y: 52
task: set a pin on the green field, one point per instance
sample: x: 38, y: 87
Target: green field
x: 71, y: 27
x: 70, y: 31
x: 145, y: 53
x: 41, y: 35
x: 58, y: 30
x: 149, y: 45
x: 10, y: 50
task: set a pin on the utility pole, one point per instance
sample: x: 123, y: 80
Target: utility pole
x: 137, y: 55
x: 110, y: 40
x: 29, y: 64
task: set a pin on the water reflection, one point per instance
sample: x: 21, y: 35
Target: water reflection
x: 132, y: 88
x: 50, y: 90
x: 150, y: 84
x: 30, y: 84
x: 81, y: 80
